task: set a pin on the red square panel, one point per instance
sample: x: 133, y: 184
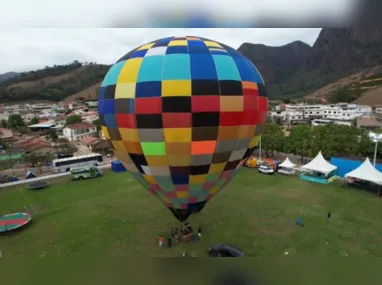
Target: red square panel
x: 263, y: 104
x: 250, y: 92
x: 177, y: 120
x: 126, y: 121
x: 181, y: 187
x: 170, y: 194
x: 251, y: 117
x: 183, y: 206
x: 251, y: 103
x: 205, y: 104
x: 148, y: 105
x: 231, y: 119
x: 193, y: 200
x: 208, y: 185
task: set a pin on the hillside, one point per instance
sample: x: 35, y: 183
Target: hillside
x: 53, y: 83
x: 8, y: 75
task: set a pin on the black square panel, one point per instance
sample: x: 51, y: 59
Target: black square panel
x: 231, y: 87
x: 102, y: 120
x: 262, y: 90
x: 114, y: 134
x: 205, y: 87
x: 122, y: 106
x: 152, y: 121
x: 126, y: 56
x: 221, y: 157
x: 249, y: 152
x: 205, y: 133
x: 109, y: 92
x: 200, y: 169
x: 231, y: 165
x: 180, y: 104
x: 179, y: 170
x: 207, y: 119
x: 138, y: 160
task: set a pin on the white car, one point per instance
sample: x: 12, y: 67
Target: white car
x: 266, y: 169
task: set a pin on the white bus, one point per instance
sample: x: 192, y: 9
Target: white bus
x: 66, y: 164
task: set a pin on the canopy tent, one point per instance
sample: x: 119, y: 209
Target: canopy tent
x: 30, y: 175
x: 287, y: 163
x: 117, y: 166
x: 367, y: 172
x: 319, y: 164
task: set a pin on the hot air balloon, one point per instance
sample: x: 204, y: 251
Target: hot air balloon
x: 183, y: 114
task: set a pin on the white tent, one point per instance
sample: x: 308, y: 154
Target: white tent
x: 287, y: 163
x: 367, y: 172
x: 319, y: 164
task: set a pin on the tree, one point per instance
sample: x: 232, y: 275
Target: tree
x: 272, y: 138
x: 299, y: 141
x: 15, y: 121
x: 98, y: 124
x: 34, y: 121
x: 38, y: 159
x: 67, y: 148
x: 52, y: 134
x: 3, y: 124
x: 73, y: 119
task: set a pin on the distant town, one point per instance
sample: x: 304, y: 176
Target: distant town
x: 33, y: 136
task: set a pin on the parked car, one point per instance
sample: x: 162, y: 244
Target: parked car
x: 265, y: 169
x: 225, y: 250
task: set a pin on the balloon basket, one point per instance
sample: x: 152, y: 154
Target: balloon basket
x: 186, y: 237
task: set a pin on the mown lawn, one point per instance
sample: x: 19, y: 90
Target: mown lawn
x: 114, y: 216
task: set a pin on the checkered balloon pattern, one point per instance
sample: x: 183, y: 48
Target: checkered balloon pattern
x: 183, y: 114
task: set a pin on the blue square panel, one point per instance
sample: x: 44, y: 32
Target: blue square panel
x: 226, y: 68
x: 176, y: 67
x: 151, y: 69
x: 100, y: 107
x: 148, y: 89
x: 138, y: 53
x: 112, y: 75
x: 110, y: 121
x: 203, y: 67
x: 108, y: 106
x: 101, y: 93
x: 177, y: 50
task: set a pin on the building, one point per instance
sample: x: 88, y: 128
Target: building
x: 369, y: 122
x: 4, y: 116
x: 92, y: 104
x: 43, y: 126
x: 341, y: 111
x: 35, y: 145
x: 6, y: 135
x: 77, y: 132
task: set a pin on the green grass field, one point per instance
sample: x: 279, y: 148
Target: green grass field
x: 114, y: 216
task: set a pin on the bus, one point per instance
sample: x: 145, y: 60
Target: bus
x: 67, y: 164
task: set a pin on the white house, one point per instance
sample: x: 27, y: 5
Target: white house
x: 92, y: 103
x: 77, y: 132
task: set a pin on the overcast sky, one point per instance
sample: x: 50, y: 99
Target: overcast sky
x: 28, y: 49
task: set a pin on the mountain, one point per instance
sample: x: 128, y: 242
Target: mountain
x: 277, y: 64
x: 8, y: 75
x: 335, y: 54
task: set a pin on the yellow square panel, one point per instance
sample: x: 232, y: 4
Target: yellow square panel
x: 129, y: 72
x: 118, y: 146
x: 178, y: 43
x: 129, y: 135
x: 254, y: 141
x: 214, y: 189
x: 217, y: 167
x: 194, y: 179
x: 105, y: 132
x: 125, y: 90
x: 178, y: 134
x: 146, y: 46
x: 149, y: 178
x: 176, y: 88
x: 181, y: 194
x: 212, y: 44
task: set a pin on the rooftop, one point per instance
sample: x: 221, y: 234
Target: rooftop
x: 89, y: 140
x: 81, y: 126
x: 46, y: 124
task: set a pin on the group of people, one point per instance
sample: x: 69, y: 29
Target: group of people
x: 174, y: 236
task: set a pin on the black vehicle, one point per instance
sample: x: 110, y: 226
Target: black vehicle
x: 225, y: 250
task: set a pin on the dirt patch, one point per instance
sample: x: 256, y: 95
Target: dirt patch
x: 88, y: 93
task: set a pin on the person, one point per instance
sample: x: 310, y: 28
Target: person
x: 160, y: 241
x: 176, y: 234
x: 169, y: 242
x: 200, y: 233
x: 329, y: 215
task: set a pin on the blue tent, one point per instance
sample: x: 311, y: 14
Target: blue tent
x: 117, y: 166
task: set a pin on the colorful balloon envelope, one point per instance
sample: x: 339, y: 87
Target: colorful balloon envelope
x: 183, y: 114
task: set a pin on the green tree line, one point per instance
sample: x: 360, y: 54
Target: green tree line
x: 306, y: 141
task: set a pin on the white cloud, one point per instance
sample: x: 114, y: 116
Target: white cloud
x: 27, y: 49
